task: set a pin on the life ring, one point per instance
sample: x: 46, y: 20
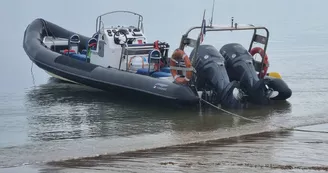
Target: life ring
x: 178, y: 55
x: 265, y: 58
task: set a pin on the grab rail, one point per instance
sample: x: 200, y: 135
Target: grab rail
x: 140, y: 18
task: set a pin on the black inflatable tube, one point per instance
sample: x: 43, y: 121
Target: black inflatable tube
x: 279, y: 85
x: 93, y: 75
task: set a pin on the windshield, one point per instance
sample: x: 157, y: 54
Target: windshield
x: 119, y: 18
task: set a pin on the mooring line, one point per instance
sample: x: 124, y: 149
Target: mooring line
x: 228, y: 112
x: 33, y: 79
x: 314, y: 131
x: 252, y: 120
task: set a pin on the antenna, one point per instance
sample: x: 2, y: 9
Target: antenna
x: 200, y: 38
x: 211, y: 21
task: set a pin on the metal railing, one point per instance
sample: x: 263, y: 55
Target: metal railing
x: 185, y: 41
x: 99, y: 21
x: 227, y: 28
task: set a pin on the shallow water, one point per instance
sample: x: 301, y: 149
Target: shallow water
x: 44, y: 120
x: 268, y: 152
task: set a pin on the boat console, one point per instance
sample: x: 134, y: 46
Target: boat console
x: 124, y: 47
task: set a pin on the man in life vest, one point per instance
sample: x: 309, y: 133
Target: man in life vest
x: 180, y: 66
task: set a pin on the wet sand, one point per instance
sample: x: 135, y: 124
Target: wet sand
x: 283, y: 151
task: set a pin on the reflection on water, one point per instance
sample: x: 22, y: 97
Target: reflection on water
x: 68, y: 120
x: 66, y: 111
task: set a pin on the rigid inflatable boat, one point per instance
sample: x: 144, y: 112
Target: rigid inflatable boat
x: 120, y: 58
x: 115, y: 58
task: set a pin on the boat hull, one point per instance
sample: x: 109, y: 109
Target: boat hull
x: 95, y: 76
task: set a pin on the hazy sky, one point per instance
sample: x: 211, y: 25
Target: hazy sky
x: 293, y: 20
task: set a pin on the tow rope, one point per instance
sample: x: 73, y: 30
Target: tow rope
x: 252, y: 120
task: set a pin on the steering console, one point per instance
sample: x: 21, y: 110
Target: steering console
x: 120, y: 38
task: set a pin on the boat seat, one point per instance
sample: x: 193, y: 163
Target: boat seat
x: 78, y: 56
x: 92, y: 43
x: 166, y: 69
x: 95, y: 35
x: 143, y: 71
x: 158, y: 74
x: 84, y: 52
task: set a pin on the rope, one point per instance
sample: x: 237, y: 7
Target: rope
x: 33, y: 79
x: 252, y: 120
x: 314, y: 131
x: 231, y: 113
x: 46, y: 30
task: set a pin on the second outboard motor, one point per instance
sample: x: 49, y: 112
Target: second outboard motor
x: 212, y: 76
x: 240, y: 67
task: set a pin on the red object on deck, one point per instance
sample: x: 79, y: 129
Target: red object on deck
x: 66, y: 51
x: 156, y: 45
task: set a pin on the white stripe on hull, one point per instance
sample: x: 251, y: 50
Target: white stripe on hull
x: 61, y: 78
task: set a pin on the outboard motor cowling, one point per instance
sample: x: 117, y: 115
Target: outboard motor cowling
x: 240, y: 67
x: 212, y: 76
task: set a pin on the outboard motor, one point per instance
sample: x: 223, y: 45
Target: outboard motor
x: 212, y: 76
x: 240, y: 67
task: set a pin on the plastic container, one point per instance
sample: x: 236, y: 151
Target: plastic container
x: 138, y: 62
